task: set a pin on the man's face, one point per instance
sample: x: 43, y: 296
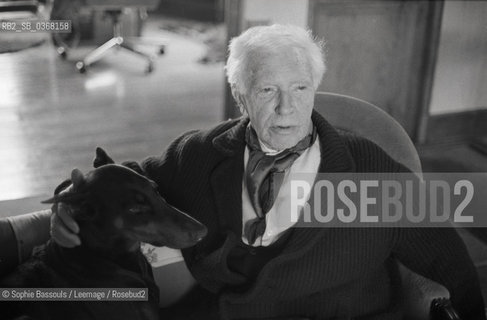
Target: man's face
x: 280, y: 98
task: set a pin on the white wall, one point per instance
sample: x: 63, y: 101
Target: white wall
x: 274, y: 11
x: 460, y: 82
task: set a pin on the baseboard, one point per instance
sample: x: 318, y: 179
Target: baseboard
x: 462, y: 126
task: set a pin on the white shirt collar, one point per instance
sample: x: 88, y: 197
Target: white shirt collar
x: 268, y: 151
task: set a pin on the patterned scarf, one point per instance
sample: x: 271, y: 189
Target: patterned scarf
x: 264, y: 176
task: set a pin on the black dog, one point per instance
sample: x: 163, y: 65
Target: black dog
x: 116, y: 209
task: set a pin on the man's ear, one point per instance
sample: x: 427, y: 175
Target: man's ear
x: 101, y: 158
x: 239, y: 99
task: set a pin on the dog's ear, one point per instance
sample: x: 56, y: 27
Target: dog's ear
x: 134, y: 166
x: 76, y: 195
x: 64, y: 185
x: 79, y: 202
x: 67, y: 197
x: 77, y: 178
x: 101, y: 158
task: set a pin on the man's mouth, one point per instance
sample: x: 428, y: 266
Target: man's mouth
x: 282, y: 129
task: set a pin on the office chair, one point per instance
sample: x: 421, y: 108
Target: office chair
x: 112, y: 9
x: 16, y: 6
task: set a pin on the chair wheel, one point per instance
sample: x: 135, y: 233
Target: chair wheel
x: 62, y: 52
x: 81, y: 67
x: 149, y: 68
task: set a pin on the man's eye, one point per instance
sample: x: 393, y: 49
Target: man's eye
x: 267, y: 90
x: 302, y: 87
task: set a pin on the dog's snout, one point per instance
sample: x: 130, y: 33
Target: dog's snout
x: 200, y: 234
x: 195, y: 229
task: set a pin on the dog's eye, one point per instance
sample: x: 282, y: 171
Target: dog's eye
x: 155, y: 187
x: 139, y: 209
x: 139, y: 198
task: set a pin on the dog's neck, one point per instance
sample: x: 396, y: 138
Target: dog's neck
x: 106, y: 241
x: 83, y: 267
x: 102, y: 245
x: 84, y: 254
x: 118, y: 250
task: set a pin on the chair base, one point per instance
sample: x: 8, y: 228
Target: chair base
x: 116, y: 42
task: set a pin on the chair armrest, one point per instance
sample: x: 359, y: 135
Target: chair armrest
x: 442, y: 309
x: 29, y: 230
x: 9, y: 257
x: 419, y: 293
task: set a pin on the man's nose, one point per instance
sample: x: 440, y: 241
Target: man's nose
x: 285, y: 104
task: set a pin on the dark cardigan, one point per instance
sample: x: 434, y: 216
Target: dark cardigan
x: 321, y: 273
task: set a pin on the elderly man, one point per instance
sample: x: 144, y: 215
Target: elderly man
x: 233, y: 178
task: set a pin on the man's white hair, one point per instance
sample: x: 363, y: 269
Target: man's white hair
x: 274, y: 38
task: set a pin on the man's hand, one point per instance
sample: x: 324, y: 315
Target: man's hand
x: 64, y: 229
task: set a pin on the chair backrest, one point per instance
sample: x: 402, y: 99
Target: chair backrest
x: 369, y: 121
x: 12, y: 6
x: 116, y: 4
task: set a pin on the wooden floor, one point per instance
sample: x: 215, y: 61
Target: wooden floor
x: 52, y: 117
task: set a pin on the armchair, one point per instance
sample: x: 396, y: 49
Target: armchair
x: 425, y: 299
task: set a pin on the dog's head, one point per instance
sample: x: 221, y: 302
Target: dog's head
x: 115, y: 204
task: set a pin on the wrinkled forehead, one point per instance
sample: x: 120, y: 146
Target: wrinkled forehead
x: 270, y: 65
x: 279, y: 56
